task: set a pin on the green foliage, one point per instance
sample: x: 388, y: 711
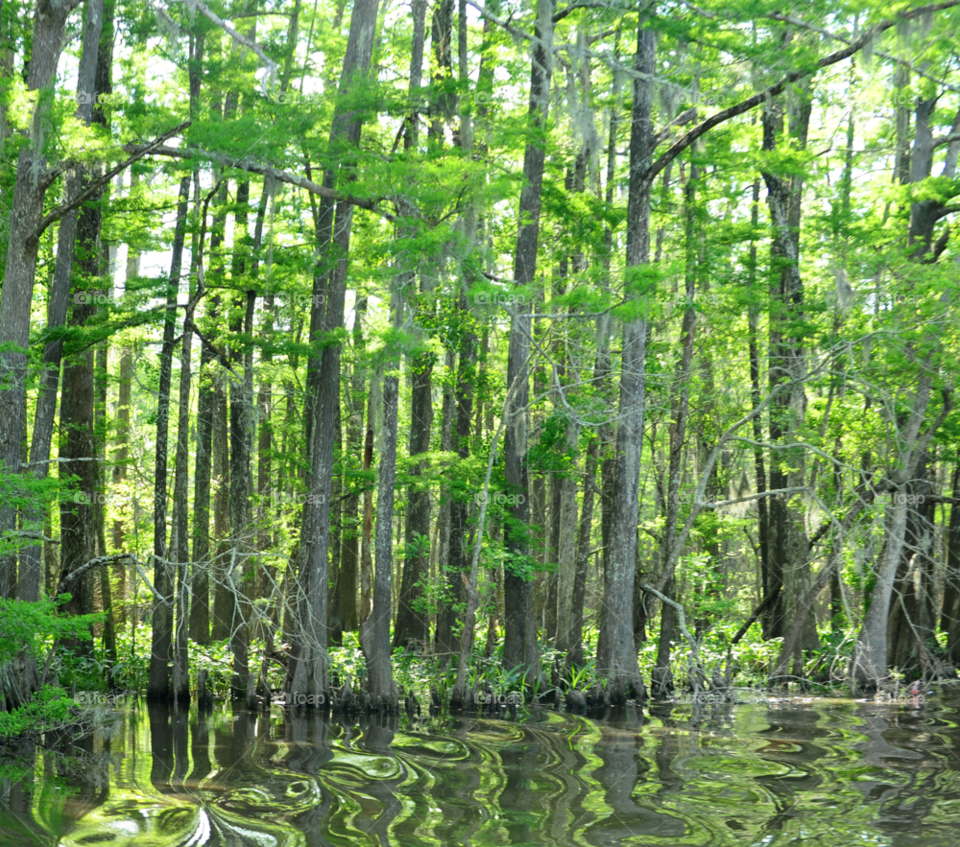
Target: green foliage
x: 49, y: 709
x: 35, y: 626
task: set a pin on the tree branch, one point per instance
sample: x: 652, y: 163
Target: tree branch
x: 909, y: 65
x: 249, y: 43
x: 746, y: 105
x: 55, y: 214
x: 947, y: 139
x: 67, y: 579
x: 246, y: 164
x: 767, y: 601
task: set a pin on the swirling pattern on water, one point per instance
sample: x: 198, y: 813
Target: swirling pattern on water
x: 823, y: 772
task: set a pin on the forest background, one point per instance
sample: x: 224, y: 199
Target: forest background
x: 473, y: 349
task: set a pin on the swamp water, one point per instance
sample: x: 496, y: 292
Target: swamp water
x: 811, y: 771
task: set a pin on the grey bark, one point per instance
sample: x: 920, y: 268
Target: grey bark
x: 310, y: 665
x: 29, y: 577
x: 616, y: 657
x: 161, y: 652
x: 520, y: 643
x: 661, y: 684
x: 16, y: 295
x: 412, y: 625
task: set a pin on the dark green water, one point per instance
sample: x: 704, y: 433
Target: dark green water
x: 818, y: 772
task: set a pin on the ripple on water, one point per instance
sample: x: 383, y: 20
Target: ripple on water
x: 827, y: 773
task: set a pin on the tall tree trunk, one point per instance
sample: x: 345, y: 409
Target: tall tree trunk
x: 200, y: 602
x: 16, y: 296
x: 310, y: 656
x: 950, y: 619
x: 349, y: 582
x: 661, y: 682
x: 29, y: 582
x: 220, y: 440
x: 122, y: 456
x: 180, y: 553
x: 911, y: 622
x: 567, y: 541
x: 870, y: 663
x: 124, y: 412
x: 444, y: 642
x: 161, y: 653
x: 79, y: 542
x: 616, y: 657
x: 366, y: 541
x: 412, y: 626
x: 199, y: 629
x: 375, y: 630
x: 788, y: 547
x: 105, y: 271
x: 601, y: 372
x: 241, y: 438
x: 870, y: 660
x: 520, y: 643
x: 458, y: 551
x: 767, y: 580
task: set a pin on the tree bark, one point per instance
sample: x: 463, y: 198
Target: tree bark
x: 869, y: 665
x: 788, y: 547
x: 616, y: 657
x: 310, y: 662
x: 412, y: 627
x: 601, y: 372
x: 28, y: 587
x: 16, y: 296
x: 520, y: 644
x: 375, y: 631
x: 79, y: 541
x: 161, y: 653
x: 950, y: 620
x: 661, y: 683
x: 350, y: 548
x: 241, y: 439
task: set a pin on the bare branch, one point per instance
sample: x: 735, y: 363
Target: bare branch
x: 851, y: 49
x: 947, y: 139
x: 909, y: 65
x: 139, y: 152
x: 249, y: 43
x: 67, y: 579
x: 246, y: 164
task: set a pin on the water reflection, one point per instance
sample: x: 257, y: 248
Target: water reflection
x: 823, y: 772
